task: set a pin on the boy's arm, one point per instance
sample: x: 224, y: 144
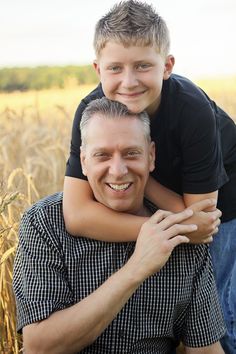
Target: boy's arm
x: 205, y: 216
x: 86, y: 217
x: 163, y: 197
x: 166, y: 199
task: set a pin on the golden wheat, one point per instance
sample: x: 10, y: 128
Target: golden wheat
x: 34, y: 143
x: 35, y: 129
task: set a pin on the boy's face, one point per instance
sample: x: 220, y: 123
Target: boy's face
x: 133, y: 75
x: 117, y: 159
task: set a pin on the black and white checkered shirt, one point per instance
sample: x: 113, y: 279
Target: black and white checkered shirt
x: 54, y: 270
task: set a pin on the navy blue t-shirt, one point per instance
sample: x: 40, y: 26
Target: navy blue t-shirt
x: 195, y: 143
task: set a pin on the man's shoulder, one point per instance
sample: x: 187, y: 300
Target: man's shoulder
x: 47, y: 207
x: 43, y: 223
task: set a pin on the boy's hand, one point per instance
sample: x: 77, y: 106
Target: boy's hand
x: 207, y: 221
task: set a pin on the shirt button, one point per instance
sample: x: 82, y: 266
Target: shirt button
x: 121, y: 334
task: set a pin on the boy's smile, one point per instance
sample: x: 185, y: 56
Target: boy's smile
x: 133, y: 75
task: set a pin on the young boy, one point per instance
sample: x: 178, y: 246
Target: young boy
x: 195, y: 143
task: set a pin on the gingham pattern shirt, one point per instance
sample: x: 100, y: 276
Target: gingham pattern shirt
x: 54, y: 270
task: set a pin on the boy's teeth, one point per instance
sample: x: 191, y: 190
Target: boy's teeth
x: 119, y: 187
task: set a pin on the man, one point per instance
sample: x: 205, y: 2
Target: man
x: 88, y: 296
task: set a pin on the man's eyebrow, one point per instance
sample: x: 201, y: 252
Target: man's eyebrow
x: 125, y: 148
x: 134, y: 147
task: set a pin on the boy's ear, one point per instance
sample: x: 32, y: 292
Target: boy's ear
x: 82, y: 161
x: 169, y: 64
x: 96, y: 67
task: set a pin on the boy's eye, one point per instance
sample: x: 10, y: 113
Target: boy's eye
x: 115, y: 68
x: 143, y: 66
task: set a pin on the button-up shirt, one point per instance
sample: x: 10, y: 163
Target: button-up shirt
x: 54, y: 270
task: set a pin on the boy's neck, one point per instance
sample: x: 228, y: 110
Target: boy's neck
x: 153, y: 111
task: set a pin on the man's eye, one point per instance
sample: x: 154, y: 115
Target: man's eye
x: 133, y: 153
x: 101, y: 155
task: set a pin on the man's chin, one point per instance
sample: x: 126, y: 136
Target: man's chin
x: 119, y: 207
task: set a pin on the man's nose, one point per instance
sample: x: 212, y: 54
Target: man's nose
x: 118, y: 167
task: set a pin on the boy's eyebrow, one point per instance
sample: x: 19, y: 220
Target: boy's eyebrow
x: 135, y: 62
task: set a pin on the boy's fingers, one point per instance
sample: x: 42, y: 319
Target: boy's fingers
x: 208, y: 239
x: 203, y: 204
x: 216, y: 214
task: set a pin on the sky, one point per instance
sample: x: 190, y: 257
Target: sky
x: 60, y: 32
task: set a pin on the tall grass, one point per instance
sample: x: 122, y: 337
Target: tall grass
x: 35, y: 129
x: 34, y: 143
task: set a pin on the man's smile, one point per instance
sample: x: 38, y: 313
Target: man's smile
x: 119, y: 187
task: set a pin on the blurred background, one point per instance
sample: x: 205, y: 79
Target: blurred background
x: 45, y: 69
x: 61, y: 33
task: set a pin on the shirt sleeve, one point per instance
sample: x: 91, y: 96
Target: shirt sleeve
x: 40, y: 277
x: 204, y: 324
x: 73, y: 166
x: 202, y: 162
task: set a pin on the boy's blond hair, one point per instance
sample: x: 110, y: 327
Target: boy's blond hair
x: 132, y: 23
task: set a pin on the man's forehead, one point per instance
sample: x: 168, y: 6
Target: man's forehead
x: 124, y: 132
x: 99, y: 121
x: 115, y: 128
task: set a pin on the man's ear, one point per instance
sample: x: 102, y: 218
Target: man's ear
x: 83, y: 161
x: 152, y: 155
x: 169, y: 64
x: 96, y: 67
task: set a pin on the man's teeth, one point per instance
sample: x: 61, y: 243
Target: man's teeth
x: 119, y: 187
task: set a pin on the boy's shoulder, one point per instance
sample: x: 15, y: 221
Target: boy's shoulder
x: 179, y: 90
x: 181, y: 85
x: 93, y: 95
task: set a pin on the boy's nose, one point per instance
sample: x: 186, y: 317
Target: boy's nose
x: 129, y: 79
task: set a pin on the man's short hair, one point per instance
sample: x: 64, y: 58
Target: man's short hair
x: 134, y: 23
x: 111, y: 110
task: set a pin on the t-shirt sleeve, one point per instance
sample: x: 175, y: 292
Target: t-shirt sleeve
x: 73, y: 166
x: 204, y: 323
x: 202, y: 162
x: 40, y: 278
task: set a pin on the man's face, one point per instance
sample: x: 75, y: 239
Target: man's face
x: 117, y: 160
x: 133, y: 75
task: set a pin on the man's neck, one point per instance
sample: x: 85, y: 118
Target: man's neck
x: 144, y: 211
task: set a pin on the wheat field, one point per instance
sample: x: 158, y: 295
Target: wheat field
x: 35, y: 130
